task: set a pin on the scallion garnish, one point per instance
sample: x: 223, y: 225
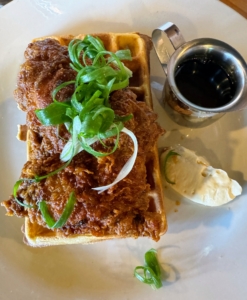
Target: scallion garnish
x: 151, y: 270
x: 15, y: 189
x: 68, y: 209
x: 169, y: 154
x: 39, y: 178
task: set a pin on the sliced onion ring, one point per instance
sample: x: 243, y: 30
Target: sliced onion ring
x: 127, y: 167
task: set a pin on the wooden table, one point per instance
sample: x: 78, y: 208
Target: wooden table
x: 3, y: 2
x: 239, y: 5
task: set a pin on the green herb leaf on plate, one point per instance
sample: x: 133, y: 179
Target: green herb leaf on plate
x: 151, y: 270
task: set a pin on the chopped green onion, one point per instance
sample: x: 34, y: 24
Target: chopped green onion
x: 124, y: 118
x: 122, y: 55
x: 15, y: 189
x: 58, y: 88
x: 169, y: 154
x: 68, y: 209
x: 90, y: 150
x: 53, y: 114
x: 115, y: 128
x: 151, y: 270
x: 67, y: 152
x: 39, y: 178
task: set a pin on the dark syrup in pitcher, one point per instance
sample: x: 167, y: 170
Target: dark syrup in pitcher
x: 204, y: 83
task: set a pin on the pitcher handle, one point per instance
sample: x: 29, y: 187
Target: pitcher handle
x: 175, y: 37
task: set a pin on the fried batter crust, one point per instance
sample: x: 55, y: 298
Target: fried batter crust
x: 123, y: 209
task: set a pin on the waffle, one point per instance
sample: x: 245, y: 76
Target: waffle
x: 139, y: 45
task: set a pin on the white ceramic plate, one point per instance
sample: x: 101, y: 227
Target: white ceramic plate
x: 203, y: 254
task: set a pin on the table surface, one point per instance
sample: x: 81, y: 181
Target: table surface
x: 3, y: 2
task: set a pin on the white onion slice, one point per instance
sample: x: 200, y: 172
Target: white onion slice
x: 127, y: 167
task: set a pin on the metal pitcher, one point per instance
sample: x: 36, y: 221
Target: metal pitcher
x: 193, y: 70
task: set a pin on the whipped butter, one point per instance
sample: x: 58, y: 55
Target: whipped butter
x: 194, y: 178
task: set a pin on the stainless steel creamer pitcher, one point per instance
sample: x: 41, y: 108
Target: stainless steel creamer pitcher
x: 205, y: 78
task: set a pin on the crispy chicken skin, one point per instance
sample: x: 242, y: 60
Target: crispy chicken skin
x: 125, y: 208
